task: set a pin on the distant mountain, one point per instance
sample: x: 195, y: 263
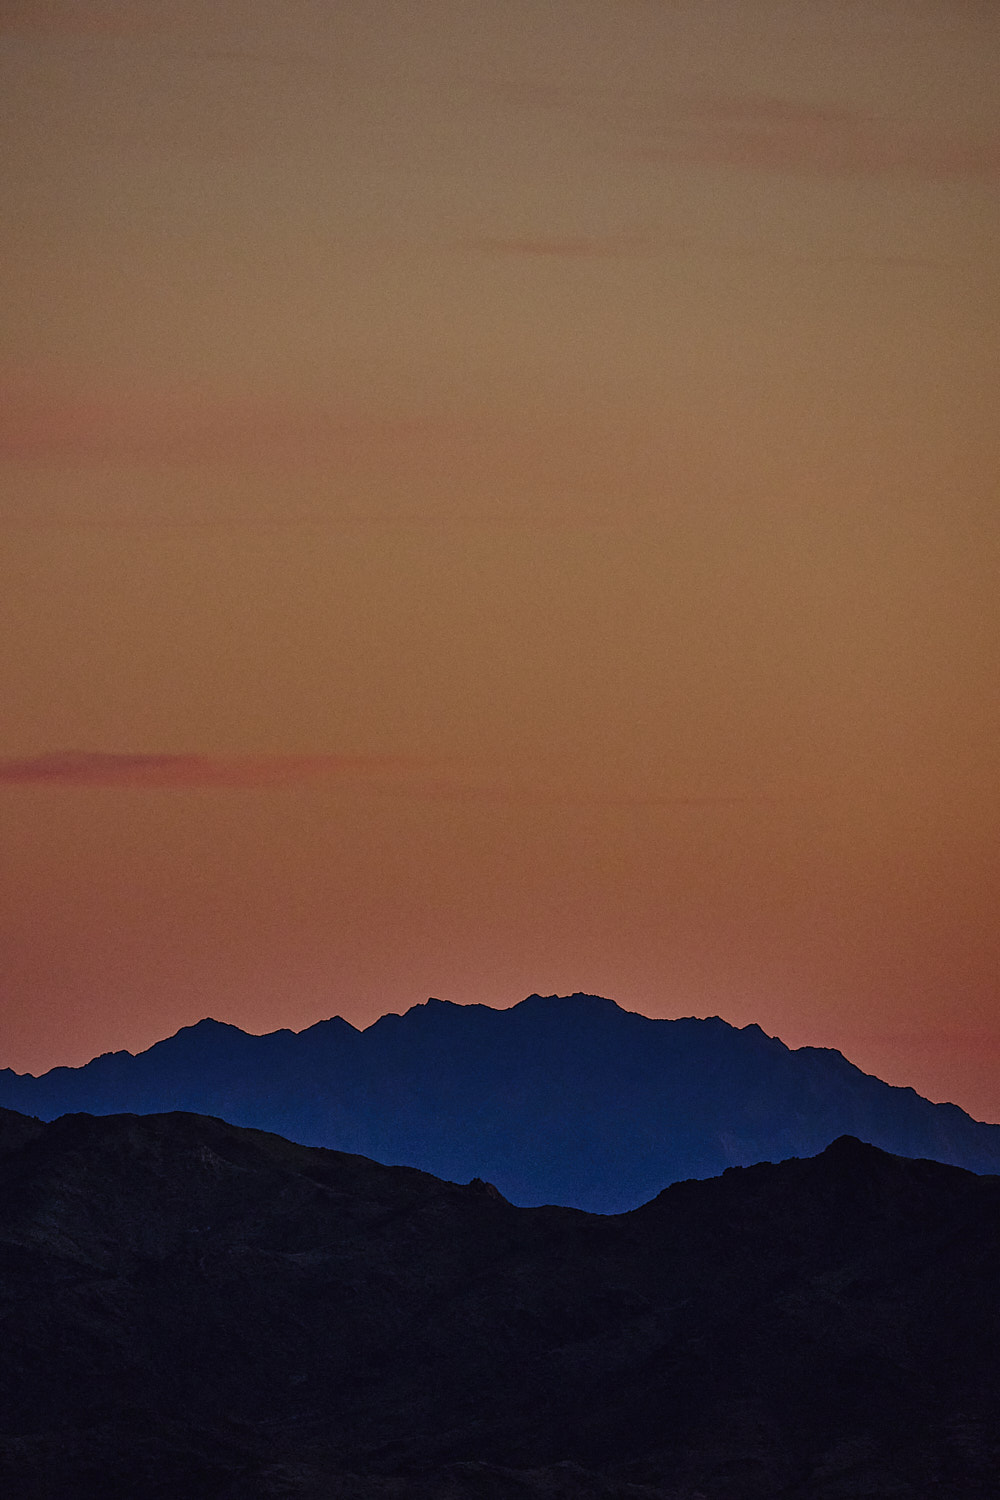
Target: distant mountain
x: 191, y: 1311
x: 566, y: 1100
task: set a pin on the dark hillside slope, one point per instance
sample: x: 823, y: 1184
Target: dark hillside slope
x: 193, y: 1310
x: 558, y: 1100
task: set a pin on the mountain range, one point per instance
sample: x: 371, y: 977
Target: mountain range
x: 560, y: 1099
x: 193, y: 1311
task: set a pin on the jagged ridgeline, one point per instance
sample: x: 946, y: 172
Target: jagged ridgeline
x: 561, y: 1099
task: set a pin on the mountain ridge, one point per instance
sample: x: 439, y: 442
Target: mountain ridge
x: 191, y: 1308
x: 559, y: 1099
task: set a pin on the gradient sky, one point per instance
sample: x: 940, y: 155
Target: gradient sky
x: 502, y: 497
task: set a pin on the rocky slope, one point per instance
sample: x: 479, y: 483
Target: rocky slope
x: 194, y: 1310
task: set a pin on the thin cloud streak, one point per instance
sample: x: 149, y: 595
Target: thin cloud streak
x: 47, y: 422
x: 787, y: 135
x: 73, y: 18
x: 405, y: 775
x: 526, y: 793
x: 87, y: 768
x: 767, y: 133
x: 618, y: 247
x: 579, y: 247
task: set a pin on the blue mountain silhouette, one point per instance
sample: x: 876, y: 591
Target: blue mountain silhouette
x: 560, y: 1099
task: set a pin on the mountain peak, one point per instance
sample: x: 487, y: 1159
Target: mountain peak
x: 848, y: 1145
x: 578, y: 1001
x: 206, y: 1035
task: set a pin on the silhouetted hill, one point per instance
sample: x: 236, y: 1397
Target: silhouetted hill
x: 192, y: 1311
x: 565, y: 1100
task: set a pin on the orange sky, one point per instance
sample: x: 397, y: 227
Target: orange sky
x: 499, y: 498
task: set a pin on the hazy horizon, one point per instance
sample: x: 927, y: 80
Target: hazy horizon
x: 502, y: 498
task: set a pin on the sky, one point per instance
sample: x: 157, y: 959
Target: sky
x: 502, y: 498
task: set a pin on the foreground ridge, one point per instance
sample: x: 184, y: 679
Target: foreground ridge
x: 193, y: 1309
